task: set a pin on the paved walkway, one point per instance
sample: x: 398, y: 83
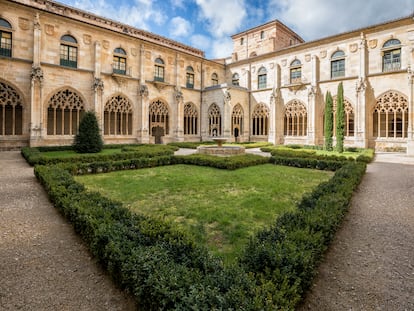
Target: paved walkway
x: 370, y: 264
x: 43, y: 264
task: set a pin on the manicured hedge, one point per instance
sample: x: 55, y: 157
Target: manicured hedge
x: 165, y: 270
x: 34, y: 155
x: 229, y: 163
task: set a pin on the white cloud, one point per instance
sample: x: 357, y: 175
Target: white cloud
x: 222, y: 47
x: 180, y: 27
x: 223, y: 16
x: 313, y: 19
x: 200, y: 42
x: 137, y: 13
x: 178, y: 4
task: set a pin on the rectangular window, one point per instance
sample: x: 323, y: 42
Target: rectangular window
x: 338, y: 68
x: 295, y: 75
x: 190, y: 81
x: 5, y: 44
x: 68, y: 56
x: 262, y: 81
x: 391, y: 60
x: 159, y: 73
x: 119, y: 65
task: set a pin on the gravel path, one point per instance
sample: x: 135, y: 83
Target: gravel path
x: 43, y: 264
x: 370, y: 264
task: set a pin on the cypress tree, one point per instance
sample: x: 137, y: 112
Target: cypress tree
x: 88, y: 139
x: 340, y: 119
x: 328, y: 121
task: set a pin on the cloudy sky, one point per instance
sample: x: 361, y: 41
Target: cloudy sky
x: 208, y: 24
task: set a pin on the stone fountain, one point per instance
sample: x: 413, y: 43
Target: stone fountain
x: 219, y: 149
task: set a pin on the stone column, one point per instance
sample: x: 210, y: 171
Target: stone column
x: 143, y: 132
x: 273, y: 132
x: 36, y: 127
x: 312, y: 104
x: 226, y: 118
x: 361, y: 119
x: 98, y: 87
x: 179, y: 102
x: 410, y: 132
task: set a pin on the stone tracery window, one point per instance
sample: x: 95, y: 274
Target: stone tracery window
x: 237, y: 120
x: 349, y: 121
x: 296, y: 119
x: 158, y: 116
x: 68, y: 51
x: 190, y: 119
x: 260, y: 120
x: 65, y: 110
x: 11, y: 111
x: 214, y: 120
x: 390, y: 116
x: 118, y: 116
x: 5, y: 38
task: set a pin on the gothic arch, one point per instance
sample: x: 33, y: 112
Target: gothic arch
x: 295, y: 119
x: 349, y: 117
x: 11, y: 110
x: 237, y: 120
x: 214, y: 120
x: 190, y: 119
x: 260, y: 120
x: 158, y: 117
x: 118, y: 116
x: 65, y: 109
x: 390, y: 115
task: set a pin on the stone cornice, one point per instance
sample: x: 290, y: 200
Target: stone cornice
x: 90, y: 18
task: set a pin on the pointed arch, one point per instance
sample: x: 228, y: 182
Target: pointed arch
x: 214, y: 120
x: 237, y: 117
x: 11, y: 110
x: 159, y: 116
x: 260, y: 120
x: 190, y: 119
x: 349, y: 121
x: 65, y: 110
x: 390, y: 115
x: 296, y: 119
x: 118, y: 116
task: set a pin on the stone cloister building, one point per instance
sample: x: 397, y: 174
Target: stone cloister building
x: 56, y: 62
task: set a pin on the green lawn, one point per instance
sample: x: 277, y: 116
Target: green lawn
x: 71, y: 153
x: 219, y: 208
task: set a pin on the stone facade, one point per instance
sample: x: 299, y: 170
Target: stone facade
x: 57, y: 62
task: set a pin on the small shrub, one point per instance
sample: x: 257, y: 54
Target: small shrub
x: 88, y: 139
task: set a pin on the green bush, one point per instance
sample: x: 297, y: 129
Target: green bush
x: 88, y: 139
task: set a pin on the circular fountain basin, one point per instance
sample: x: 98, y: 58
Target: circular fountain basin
x: 221, y: 150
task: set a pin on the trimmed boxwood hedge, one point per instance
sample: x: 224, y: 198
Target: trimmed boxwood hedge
x: 34, y: 155
x: 165, y: 270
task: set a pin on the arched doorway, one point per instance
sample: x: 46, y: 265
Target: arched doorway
x: 158, y: 120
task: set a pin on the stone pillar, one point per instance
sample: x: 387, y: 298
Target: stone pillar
x: 36, y: 127
x: 143, y: 132
x: 410, y: 132
x: 98, y: 87
x: 179, y: 102
x: 312, y: 104
x: 361, y: 119
x: 226, y: 118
